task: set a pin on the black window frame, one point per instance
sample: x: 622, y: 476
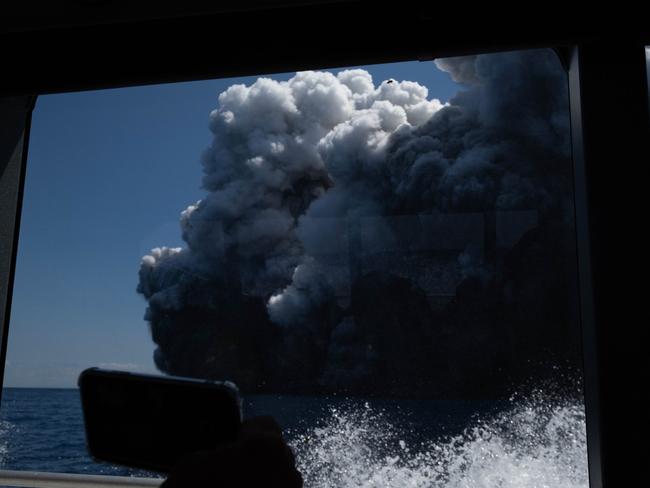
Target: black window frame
x: 146, y: 45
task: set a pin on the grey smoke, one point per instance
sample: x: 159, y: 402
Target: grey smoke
x: 503, y: 145
x: 462, y: 69
x: 296, y: 168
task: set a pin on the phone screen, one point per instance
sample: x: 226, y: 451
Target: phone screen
x: 149, y: 422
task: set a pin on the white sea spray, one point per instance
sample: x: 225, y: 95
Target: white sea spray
x: 5, y: 430
x: 535, y: 443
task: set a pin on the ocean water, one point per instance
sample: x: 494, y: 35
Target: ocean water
x: 527, y: 442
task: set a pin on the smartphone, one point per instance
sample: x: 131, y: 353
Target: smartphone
x: 150, y: 422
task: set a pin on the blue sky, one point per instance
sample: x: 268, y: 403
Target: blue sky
x: 108, y: 174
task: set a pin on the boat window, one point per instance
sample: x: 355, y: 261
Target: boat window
x: 382, y: 257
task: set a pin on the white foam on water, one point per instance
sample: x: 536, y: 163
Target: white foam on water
x: 536, y: 443
x: 5, y: 428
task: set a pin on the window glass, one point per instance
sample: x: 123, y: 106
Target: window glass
x: 381, y: 257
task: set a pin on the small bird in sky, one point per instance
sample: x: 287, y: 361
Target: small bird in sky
x: 390, y: 81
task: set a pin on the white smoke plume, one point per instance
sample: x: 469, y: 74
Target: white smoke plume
x: 462, y: 69
x: 265, y: 164
x: 295, y: 167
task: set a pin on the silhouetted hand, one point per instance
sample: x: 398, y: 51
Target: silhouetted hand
x: 259, y: 457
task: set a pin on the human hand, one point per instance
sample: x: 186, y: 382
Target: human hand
x: 259, y: 457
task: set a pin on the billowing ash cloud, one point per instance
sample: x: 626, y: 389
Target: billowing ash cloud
x: 306, y: 178
x: 462, y: 69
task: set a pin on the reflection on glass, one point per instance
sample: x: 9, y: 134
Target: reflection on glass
x: 392, y: 277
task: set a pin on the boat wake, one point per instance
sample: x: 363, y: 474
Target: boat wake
x: 535, y: 442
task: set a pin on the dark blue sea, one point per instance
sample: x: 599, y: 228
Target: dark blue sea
x: 347, y: 442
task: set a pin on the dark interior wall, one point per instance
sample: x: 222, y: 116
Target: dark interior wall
x: 87, y: 44
x: 610, y: 126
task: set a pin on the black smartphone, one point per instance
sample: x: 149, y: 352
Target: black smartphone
x: 150, y: 422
